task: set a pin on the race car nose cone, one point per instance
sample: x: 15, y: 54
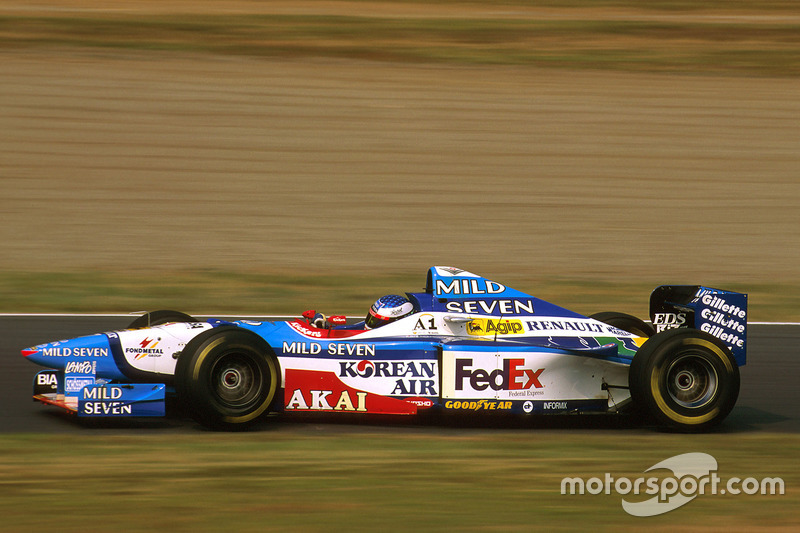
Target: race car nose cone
x: 58, y: 354
x: 35, y: 354
x: 52, y: 355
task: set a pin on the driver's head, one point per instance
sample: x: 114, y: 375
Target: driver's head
x: 388, y: 309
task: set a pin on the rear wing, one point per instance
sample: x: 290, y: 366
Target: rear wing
x: 722, y: 314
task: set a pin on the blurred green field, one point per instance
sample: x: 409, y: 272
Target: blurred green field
x: 311, y: 479
x: 733, y: 38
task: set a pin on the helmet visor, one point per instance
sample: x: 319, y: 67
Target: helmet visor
x: 375, y: 320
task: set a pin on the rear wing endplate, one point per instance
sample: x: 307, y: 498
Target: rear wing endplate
x: 722, y: 314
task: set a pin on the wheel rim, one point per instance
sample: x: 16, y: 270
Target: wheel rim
x: 692, y: 381
x: 236, y: 380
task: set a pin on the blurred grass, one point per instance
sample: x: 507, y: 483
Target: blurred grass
x: 307, y: 479
x: 710, y: 6
x: 284, y: 293
x: 618, y: 40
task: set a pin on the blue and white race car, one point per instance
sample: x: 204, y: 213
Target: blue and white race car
x: 465, y: 344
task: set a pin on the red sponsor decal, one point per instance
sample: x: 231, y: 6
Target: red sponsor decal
x: 316, y: 333
x: 312, y: 390
x: 337, y: 320
x: 421, y: 403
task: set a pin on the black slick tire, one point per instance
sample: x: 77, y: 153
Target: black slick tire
x: 685, y: 379
x: 226, y: 378
x: 625, y: 322
x: 157, y: 318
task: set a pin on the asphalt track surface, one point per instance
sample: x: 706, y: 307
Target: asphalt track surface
x: 768, y: 400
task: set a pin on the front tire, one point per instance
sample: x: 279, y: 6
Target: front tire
x: 226, y: 378
x: 157, y: 318
x: 684, y: 378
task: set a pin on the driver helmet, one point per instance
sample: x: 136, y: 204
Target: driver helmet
x: 387, y: 309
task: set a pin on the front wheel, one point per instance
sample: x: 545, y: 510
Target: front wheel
x: 226, y: 378
x: 686, y: 379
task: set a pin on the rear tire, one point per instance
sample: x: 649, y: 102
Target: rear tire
x: 685, y: 379
x: 625, y: 322
x: 157, y: 318
x: 226, y: 378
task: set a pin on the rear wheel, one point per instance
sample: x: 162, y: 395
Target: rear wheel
x: 685, y: 379
x: 625, y: 322
x: 226, y: 378
x: 156, y: 318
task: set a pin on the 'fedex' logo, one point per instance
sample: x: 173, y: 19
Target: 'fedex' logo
x: 510, y: 377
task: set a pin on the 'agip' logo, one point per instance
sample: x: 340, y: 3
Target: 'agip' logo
x: 490, y: 326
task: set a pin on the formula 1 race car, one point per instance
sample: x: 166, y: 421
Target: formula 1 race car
x: 466, y: 344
